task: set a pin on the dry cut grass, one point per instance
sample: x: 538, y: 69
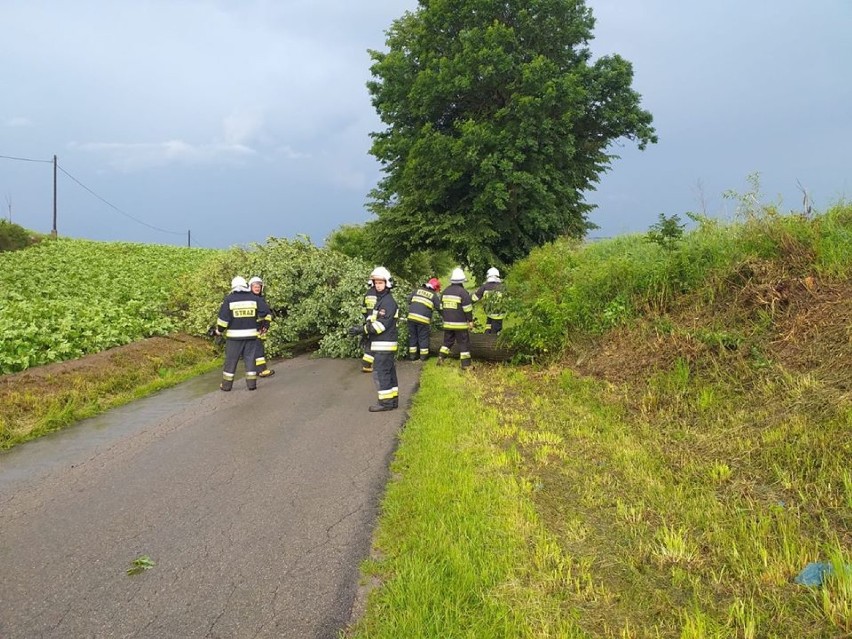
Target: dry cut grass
x: 47, y: 398
x: 689, y: 468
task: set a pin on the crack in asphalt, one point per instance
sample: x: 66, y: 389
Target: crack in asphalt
x: 258, y: 508
x: 221, y: 612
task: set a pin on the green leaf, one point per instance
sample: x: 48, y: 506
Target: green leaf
x: 140, y: 564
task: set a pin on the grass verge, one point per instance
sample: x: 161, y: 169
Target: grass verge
x: 460, y: 551
x: 48, y: 398
x: 538, y: 503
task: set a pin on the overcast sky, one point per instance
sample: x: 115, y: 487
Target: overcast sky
x: 243, y: 119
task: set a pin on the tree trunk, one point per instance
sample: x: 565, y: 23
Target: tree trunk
x: 483, y: 346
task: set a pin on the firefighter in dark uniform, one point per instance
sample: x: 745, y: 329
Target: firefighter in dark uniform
x: 256, y: 286
x: 241, y: 315
x: 490, y: 294
x: 380, y: 329
x: 457, y: 314
x: 366, y: 310
x: 421, y: 303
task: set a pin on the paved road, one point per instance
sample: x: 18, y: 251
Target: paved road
x: 257, y: 509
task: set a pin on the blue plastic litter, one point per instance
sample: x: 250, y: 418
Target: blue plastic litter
x: 814, y: 573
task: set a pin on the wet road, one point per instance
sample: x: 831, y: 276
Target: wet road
x: 256, y: 509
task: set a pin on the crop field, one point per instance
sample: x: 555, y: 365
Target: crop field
x: 66, y: 298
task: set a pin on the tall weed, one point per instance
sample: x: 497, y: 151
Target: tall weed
x: 568, y: 289
x: 833, y: 245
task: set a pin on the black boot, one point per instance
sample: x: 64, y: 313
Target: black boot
x: 378, y: 408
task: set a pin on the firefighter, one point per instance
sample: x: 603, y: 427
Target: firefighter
x: 380, y: 329
x: 421, y: 303
x: 366, y: 309
x: 241, y: 315
x: 491, y: 294
x: 256, y: 286
x: 457, y: 314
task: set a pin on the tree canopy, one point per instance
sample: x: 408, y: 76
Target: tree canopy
x: 356, y: 241
x: 497, y: 122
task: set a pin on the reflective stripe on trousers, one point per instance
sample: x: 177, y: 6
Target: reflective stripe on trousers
x: 463, y: 338
x: 384, y: 377
x: 418, y: 339
x: 236, y: 349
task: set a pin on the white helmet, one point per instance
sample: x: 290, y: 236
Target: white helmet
x: 457, y: 276
x: 255, y: 280
x: 492, y: 274
x: 239, y: 284
x: 381, y: 273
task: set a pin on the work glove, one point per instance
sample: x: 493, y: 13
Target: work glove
x: 356, y: 330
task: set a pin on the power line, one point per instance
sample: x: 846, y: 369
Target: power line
x: 108, y: 203
x: 113, y: 206
x: 10, y: 157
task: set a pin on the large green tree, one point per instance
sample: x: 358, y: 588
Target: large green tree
x: 357, y: 241
x: 497, y: 122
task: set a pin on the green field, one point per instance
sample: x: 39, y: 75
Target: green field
x: 65, y: 298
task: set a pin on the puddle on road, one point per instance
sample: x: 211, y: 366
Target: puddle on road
x: 75, y: 442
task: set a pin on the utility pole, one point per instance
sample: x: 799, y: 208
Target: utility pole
x: 53, y: 233
x: 189, y: 238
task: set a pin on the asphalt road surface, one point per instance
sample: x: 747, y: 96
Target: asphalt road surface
x: 256, y: 510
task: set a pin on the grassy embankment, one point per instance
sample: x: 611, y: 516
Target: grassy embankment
x: 683, y: 453
x: 48, y: 398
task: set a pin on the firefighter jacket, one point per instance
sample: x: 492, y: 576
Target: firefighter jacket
x: 369, y: 302
x: 241, y: 315
x: 380, y: 326
x: 264, y: 322
x: 457, y: 308
x: 487, y: 290
x: 421, y: 303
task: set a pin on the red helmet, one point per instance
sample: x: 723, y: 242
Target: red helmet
x: 434, y: 284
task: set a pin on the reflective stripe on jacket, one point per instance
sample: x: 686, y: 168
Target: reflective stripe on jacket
x: 421, y: 303
x: 369, y: 302
x: 381, y: 324
x: 457, y: 308
x: 240, y: 315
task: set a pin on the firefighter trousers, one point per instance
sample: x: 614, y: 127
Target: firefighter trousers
x: 463, y: 339
x: 260, y: 355
x: 493, y: 325
x: 367, y: 357
x: 418, y: 340
x: 236, y: 349
x: 384, y: 377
